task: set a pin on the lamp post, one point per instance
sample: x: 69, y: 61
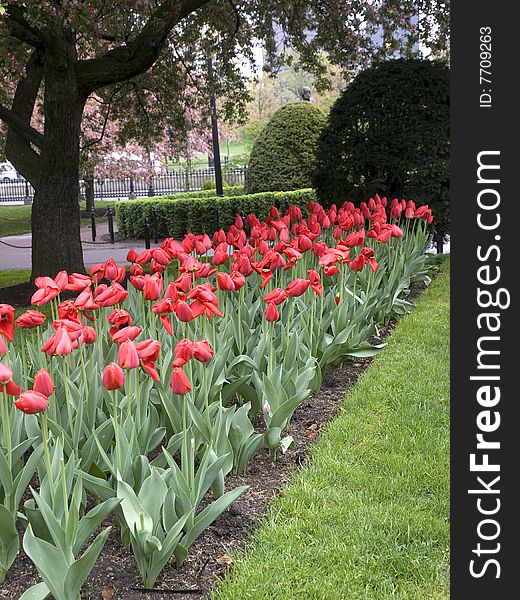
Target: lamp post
x: 214, y: 134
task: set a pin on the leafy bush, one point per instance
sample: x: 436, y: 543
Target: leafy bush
x: 283, y: 154
x: 389, y: 133
x: 205, y: 213
x: 209, y: 184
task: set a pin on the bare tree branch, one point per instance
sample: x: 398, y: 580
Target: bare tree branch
x: 20, y: 28
x: 125, y: 62
x: 22, y: 128
x: 18, y: 148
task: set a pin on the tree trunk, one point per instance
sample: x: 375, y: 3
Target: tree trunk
x: 56, y: 242
x: 89, y: 192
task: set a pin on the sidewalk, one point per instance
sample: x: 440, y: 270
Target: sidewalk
x: 93, y: 252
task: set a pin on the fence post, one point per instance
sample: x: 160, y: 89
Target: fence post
x: 131, y: 195
x: 146, y: 233
x: 110, y: 215
x: 154, y: 225
x: 93, y: 223
x: 27, y: 199
x: 151, y: 190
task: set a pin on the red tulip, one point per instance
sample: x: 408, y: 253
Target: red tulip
x: 297, y: 287
x: 60, y: 343
x: 31, y: 402
x: 385, y: 235
x: 152, y: 288
x: 62, y: 280
x: 110, y: 295
x: 271, y: 312
x: 68, y: 310
x: 10, y: 388
x: 315, y: 282
x: 119, y: 318
x: 221, y: 255
x: 202, y: 351
x: 127, y: 355
x: 358, y: 263
x: 7, y: 321
x: 183, y: 311
x: 3, y: 347
x: 96, y: 272
x: 225, y: 282
x: 113, y: 377
x: 85, y: 301
x: 45, y: 294
x: 238, y: 279
x: 183, y: 352
x: 356, y: 238
x: 78, y: 282
x: 29, y: 319
x: 110, y: 269
x: 330, y: 271
x: 396, y: 231
x: 43, y: 383
x: 131, y: 256
x: 88, y: 335
x: 180, y: 384
x: 6, y: 373
x: 276, y: 296
x: 136, y: 269
x: 161, y: 256
x: 124, y: 334
x: 369, y: 255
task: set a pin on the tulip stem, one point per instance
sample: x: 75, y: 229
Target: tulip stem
x: 116, y: 430
x: 184, y: 459
x: 45, y: 440
x: 206, y: 396
x: 83, y: 369
x: 64, y: 491
x: 7, y: 429
x: 67, y: 393
x: 138, y: 399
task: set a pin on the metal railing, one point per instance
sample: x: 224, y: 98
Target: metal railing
x: 121, y: 189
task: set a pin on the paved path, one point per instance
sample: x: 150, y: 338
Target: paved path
x: 20, y: 257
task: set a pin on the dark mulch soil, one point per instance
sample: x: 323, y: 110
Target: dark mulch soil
x: 17, y: 295
x: 115, y: 574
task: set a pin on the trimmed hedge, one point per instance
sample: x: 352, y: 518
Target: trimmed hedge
x: 283, y: 154
x: 130, y: 214
x: 201, y: 214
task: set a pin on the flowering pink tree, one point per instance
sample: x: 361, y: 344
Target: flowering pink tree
x: 148, y: 60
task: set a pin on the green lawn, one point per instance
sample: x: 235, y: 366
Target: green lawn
x: 17, y: 219
x: 14, y: 220
x: 13, y: 277
x: 369, y: 516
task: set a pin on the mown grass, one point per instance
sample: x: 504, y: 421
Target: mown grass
x: 13, y: 277
x: 15, y: 220
x: 368, y: 517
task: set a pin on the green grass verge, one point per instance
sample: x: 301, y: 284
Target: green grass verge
x: 368, y: 517
x: 14, y: 277
x: 16, y: 219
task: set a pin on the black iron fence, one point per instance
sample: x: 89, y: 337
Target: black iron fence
x: 128, y: 188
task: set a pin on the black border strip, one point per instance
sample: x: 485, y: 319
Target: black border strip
x: 478, y: 127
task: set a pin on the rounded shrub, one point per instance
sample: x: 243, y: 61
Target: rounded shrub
x: 389, y: 133
x: 283, y: 155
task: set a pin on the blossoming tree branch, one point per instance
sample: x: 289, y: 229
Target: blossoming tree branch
x: 148, y: 52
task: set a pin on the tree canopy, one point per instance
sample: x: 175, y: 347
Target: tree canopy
x: 147, y: 60
x: 389, y: 134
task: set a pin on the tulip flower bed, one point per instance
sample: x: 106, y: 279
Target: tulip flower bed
x: 136, y: 403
